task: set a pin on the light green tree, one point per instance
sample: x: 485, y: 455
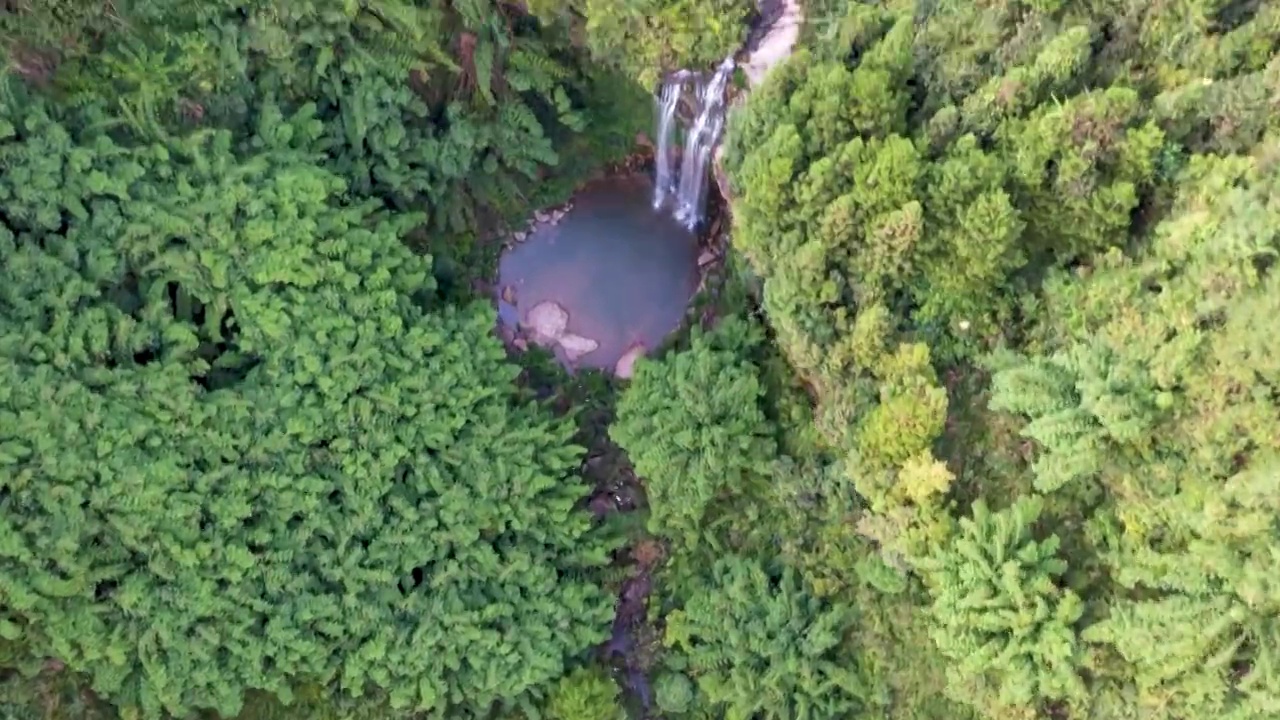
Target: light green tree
x: 1149, y: 396
x: 1001, y: 614
x: 585, y: 694
x: 692, y: 424
x: 650, y: 37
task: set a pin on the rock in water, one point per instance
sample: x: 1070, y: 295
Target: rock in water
x: 575, y: 346
x: 627, y: 363
x: 548, y: 321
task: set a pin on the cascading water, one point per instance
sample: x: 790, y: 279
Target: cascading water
x: 689, y: 192
x: 668, y: 100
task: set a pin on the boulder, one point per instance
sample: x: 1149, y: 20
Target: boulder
x: 627, y: 363
x: 575, y: 346
x: 548, y: 321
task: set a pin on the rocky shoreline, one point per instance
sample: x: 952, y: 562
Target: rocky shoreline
x: 545, y: 325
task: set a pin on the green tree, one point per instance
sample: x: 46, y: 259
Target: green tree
x: 673, y: 693
x: 241, y: 450
x: 1202, y: 625
x: 460, y: 109
x: 1149, y: 389
x: 1001, y: 614
x: 649, y: 37
x: 693, y: 426
x: 761, y: 646
x: 585, y: 694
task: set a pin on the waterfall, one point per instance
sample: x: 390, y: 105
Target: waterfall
x: 690, y: 192
x: 667, y: 102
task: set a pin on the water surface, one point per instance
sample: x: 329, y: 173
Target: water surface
x: 624, y: 272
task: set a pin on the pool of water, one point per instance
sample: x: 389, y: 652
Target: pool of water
x: 622, y: 272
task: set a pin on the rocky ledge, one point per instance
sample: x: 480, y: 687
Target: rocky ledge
x: 543, y: 218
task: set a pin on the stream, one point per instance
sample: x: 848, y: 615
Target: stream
x: 606, y: 278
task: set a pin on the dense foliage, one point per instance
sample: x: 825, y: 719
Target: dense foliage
x: 649, y: 37
x: 1019, y: 254
x: 762, y: 646
x: 284, y: 476
x: 695, y: 456
x: 979, y: 418
x: 251, y: 446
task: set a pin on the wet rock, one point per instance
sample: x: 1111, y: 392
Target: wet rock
x: 774, y: 41
x: 548, y: 321
x: 627, y: 363
x: 509, y: 295
x: 541, y: 216
x: 601, y: 505
x: 706, y: 258
x: 575, y: 346
x: 520, y: 236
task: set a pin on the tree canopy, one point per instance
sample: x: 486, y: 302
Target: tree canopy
x: 242, y: 449
x: 976, y: 414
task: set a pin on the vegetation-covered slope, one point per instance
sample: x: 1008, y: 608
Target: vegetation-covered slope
x: 1078, y: 199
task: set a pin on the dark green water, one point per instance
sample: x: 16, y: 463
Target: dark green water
x: 624, y: 272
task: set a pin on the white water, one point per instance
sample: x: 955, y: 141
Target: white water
x: 667, y: 102
x: 690, y: 193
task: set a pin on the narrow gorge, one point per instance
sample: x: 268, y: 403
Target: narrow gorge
x: 604, y: 279
x: 683, y: 196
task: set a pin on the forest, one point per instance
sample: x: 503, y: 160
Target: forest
x: 978, y: 420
